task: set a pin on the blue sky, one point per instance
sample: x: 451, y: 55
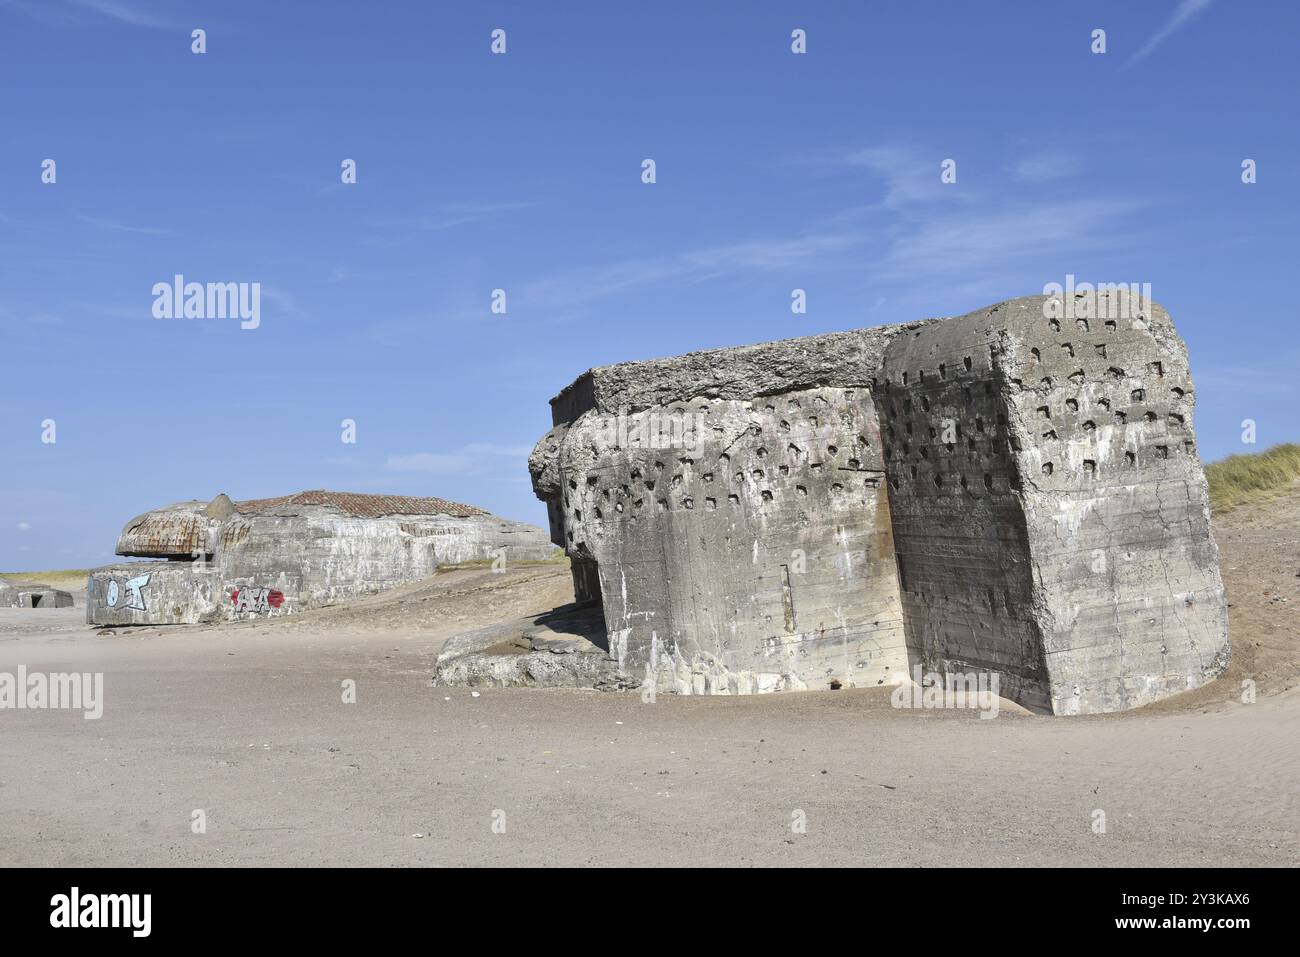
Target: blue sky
x: 522, y: 172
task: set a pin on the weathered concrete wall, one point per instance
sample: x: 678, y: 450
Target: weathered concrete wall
x: 32, y: 595
x: 747, y: 549
x: 1051, y: 514
x: 740, y: 373
x: 322, y: 556
x: 181, y: 530
x: 276, y: 556
x: 959, y: 525
x: 152, y: 593
x: 1044, y: 497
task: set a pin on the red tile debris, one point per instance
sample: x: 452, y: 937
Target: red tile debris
x: 364, y: 506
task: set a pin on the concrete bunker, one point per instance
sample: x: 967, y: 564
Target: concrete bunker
x: 268, y: 557
x: 33, y: 595
x: 1015, y: 491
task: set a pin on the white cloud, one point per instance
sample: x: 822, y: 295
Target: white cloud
x: 969, y: 240
x: 1183, y: 14
x: 286, y: 303
x: 910, y: 177
x: 1264, y: 379
x: 459, y: 214
x: 87, y: 12
x: 125, y: 228
x: 24, y: 526
x: 581, y: 286
x: 472, y: 459
x: 1045, y: 166
x: 980, y: 240
x: 121, y: 12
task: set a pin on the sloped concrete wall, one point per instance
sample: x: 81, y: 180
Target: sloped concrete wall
x: 753, y: 555
x: 1051, y: 514
x: 182, y: 530
x: 321, y: 556
x: 960, y: 534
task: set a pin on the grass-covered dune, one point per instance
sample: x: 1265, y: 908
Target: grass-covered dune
x: 62, y: 578
x: 1239, y: 479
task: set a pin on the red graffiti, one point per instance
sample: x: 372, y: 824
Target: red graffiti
x: 256, y: 599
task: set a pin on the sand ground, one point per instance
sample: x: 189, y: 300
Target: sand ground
x: 247, y: 723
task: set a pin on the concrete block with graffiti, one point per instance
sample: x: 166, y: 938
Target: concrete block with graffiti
x: 225, y: 560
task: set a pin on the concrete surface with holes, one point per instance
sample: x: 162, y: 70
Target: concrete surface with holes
x: 1013, y: 492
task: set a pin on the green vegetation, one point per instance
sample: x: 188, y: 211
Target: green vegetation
x: 559, y: 558
x: 61, y: 578
x: 1239, y: 479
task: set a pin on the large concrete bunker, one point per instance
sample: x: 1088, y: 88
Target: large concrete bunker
x: 1014, y: 492
x: 264, y: 557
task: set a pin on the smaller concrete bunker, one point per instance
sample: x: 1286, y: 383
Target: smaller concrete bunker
x: 32, y: 595
x: 226, y: 560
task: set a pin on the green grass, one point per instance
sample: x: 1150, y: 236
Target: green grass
x: 559, y: 559
x: 76, y: 577
x: 1240, y: 479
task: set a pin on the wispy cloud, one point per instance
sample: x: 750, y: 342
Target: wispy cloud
x: 458, y: 214
x: 87, y: 12
x: 910, y: 176
x: 1182, y: 15
x: 1045, y: 166
x: 122, y: 13
x: 981, y: 240
x: 973, y: 240
x: 39, y: 317
x: 582, y: 286
x: 125, y: 227
x: 472, y: 459
x: 285, y: 301
x: 1273, y: 378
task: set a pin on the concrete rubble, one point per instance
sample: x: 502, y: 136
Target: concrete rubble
x: 1013, y: 492
x: 564, y: 648
x: 224, y: 560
